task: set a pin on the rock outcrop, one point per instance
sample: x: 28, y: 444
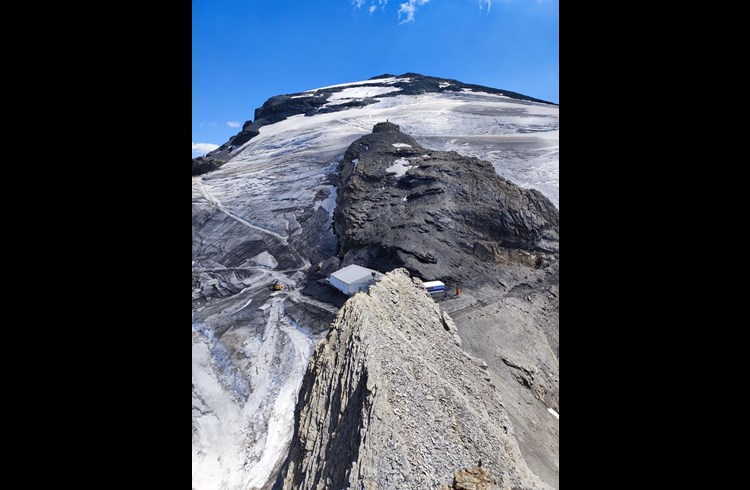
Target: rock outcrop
x: 390, y: 400
x: 202, y: 165
x: 476, y: 478
x: 439, y: 214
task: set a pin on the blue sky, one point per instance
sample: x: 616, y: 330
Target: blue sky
x: 245, y: 51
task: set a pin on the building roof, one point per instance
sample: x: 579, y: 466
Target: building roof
x: 432, y: 284
x: 353, y: 273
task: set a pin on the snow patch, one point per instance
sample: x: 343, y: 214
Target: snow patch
x: 399, y: 167
x: 555, y: 414
x: 401, y: 145
x: 265, y: 259
x: 247, y: 303
x: 362, y: 92
x: 384, y: 81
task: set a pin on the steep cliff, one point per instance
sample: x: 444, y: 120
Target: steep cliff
x: 390, y: 400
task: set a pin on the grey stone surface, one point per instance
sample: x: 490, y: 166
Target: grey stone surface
x: 390, y: 400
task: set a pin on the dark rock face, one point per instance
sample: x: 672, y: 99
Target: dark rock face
x: 202, y: 165
x: 220, y: 156
x: 439, y: 214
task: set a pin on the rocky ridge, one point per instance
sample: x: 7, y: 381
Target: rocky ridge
x: 390, y: 400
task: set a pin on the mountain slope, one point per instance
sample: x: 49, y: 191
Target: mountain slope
x: 266, y: 214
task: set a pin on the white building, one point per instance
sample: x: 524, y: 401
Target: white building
x: 434, y: 286
x: 353, y: 278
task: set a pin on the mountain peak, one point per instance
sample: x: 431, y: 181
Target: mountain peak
x: 386, y: 127
x: 344, y: 97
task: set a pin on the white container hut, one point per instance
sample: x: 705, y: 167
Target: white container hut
x: 353, y: 278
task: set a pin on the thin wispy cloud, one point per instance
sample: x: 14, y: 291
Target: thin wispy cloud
x: 233, y: 124
x: 408, y: 9
x: 374, y: 4
x: 203, y: 148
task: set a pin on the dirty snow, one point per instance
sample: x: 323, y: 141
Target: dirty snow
x: 265, y: 259
x: 329, y: 203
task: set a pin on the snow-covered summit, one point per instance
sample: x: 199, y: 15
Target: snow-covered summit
x: 517, y: 133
